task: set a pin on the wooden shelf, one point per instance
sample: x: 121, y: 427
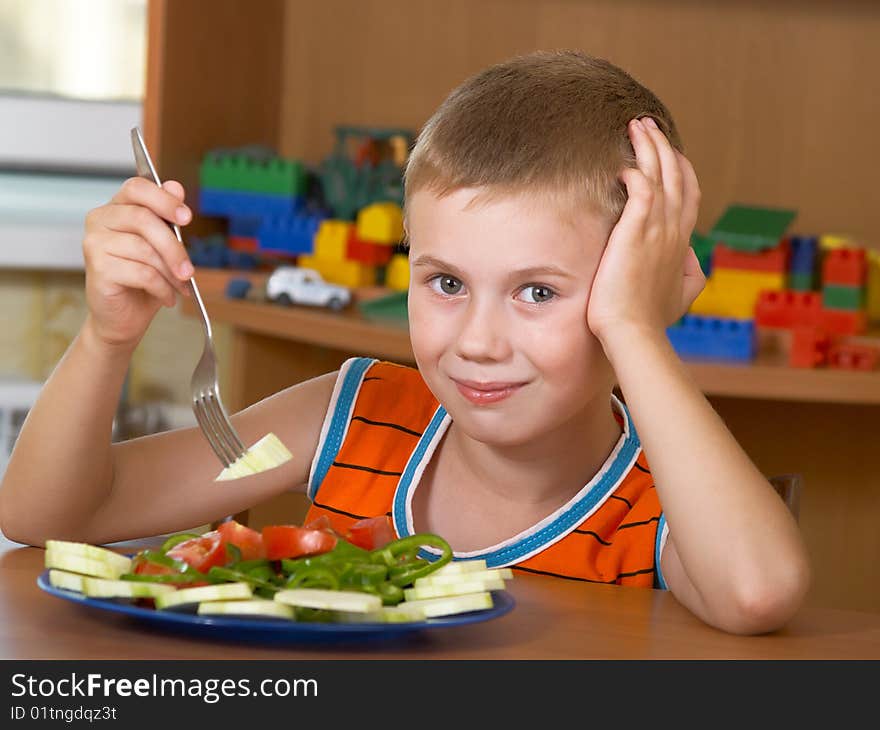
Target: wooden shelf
x: 768, y: 378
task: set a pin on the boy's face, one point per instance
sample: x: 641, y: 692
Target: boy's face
x: 498, y: 313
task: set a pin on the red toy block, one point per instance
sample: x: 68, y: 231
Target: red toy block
x: 772, y: 259
x: 809, y: 347
x: 373, y: 254
x: 853, y: 357
x: 788, y: 308
x: 243, y: 243
x: 844, y: 321
x: 845, y: 267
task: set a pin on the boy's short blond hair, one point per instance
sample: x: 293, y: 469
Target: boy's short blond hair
x: 552, y: 123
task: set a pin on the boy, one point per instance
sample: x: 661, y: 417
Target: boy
x: 548, y: 218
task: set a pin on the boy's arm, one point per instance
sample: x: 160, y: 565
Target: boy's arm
x: 65, y: 480
x: 734, y: 554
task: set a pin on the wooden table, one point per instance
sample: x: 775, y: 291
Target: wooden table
x: 552, y: 619
x: 820, y: 423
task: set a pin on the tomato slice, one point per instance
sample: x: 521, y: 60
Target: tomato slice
x: 248, y: 541
x: 371, y: 533
x: 290, y: 541
x: 202, y: 553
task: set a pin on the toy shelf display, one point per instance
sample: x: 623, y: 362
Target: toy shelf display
x: 821, y: 291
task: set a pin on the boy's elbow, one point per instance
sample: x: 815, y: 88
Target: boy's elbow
x: 769, y: 603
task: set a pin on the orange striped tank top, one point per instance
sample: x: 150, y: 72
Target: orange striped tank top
x: 381, y: 429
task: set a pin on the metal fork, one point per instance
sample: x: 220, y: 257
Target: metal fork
x: 206, y: 403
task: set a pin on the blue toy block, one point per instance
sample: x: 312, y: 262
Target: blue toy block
x: 212, y: 253
x: 236, y: 204
x: 803, y: 254
x: 714, y: 338
x: 245, y: 226
x: 290, y: 234
x: 237, y: 288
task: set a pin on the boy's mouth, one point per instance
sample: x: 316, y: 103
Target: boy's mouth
x: 485, y: 393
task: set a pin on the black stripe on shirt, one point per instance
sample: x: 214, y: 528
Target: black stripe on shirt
x: 367, y: 468
x: 594, y: 534
x: 386, y: 424
x: 641, y: 468
x: 637, y: 524
x: 622, y: 499
x: 583, y: 580
x: 338, y: 511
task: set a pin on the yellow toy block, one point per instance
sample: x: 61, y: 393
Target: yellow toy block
x: 330, y: 240
x: 380, y: 223
x: 734, y: 293
x: 831, y: 241
x: 873, y: 297
x: 397, y: 273
x: 347, y: 273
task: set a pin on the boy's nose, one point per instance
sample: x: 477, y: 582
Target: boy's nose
x: 483, y: 335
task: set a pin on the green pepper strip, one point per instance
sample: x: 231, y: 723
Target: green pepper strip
x: 182, y: 578
x: 233, y: 554
x: 412, y: 568
x: 236, y: 576
x: 176, y: 540
x: 314, y: 577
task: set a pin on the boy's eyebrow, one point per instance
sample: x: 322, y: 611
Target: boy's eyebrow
x: 546, y: 269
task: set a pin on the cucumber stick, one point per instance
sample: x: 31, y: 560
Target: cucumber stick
x: 449, y: 578
x: 200, y: 594
x: 458, y: 567
x: 267, y: 453
x: 436, y: 607
x: 61, y: 548
x: 254, y: 607
x: 453, y: 589
x: 65, y: 580
x: 351, y: 601
x: 105, y: 588
x: 83, y: 566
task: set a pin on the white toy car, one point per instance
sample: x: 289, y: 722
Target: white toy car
x: 297, y: 285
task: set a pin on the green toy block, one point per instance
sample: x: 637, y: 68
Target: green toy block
x: 746, y: 228
x: 390, y: 308
x: 843, y: 297
x: 703, y: 247
x: 801, y: 282
x: 244, y: 173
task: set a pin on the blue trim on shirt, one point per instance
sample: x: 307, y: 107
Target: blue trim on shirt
x: 661, y: 583
x: 404, y: 485
x: 339, y: 422
x: 564, y: 523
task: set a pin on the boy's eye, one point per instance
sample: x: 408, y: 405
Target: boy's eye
x: 537, y: 294
x: 446, y: 284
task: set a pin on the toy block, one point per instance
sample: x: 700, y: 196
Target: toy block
x: 832, y: 241
x: 373, y: 254
x: 352, y: 274
x: 835, y: 296
x: 380, y: 223
x: 801, y: 282
x: 291, y: 234
x: 714, y: 338
x: 397, y: 272
x: 249, y: 173
x: 391, y: 307
x: 844, y: 322
x: 804, y: 252
x: 734, y: 294
x: 243, y: 243
x: 809, y: 347
x: 788, y: 309
x: 746, y: 228
x: 872, y: 300
x: 774, y: 260
x: 843, y: 356
x: 846, y: 266
x: 331, y: 240
x: 244, y: 226
x: 234, y: 204
x: 237, y: 288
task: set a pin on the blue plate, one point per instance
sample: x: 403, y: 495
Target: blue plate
x: 271, y: 629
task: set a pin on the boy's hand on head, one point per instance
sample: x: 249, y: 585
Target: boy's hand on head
x: 134, y: 262
x: 649, y: 275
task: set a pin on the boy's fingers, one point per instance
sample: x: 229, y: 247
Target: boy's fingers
x: 137, y: 275
x: 146, y: 224
x: 164, y: 203
x: 134, y: 248
x: 640, y: 202
x: 175, y: 188
x: 670, y: 170
x: 646, y: 153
